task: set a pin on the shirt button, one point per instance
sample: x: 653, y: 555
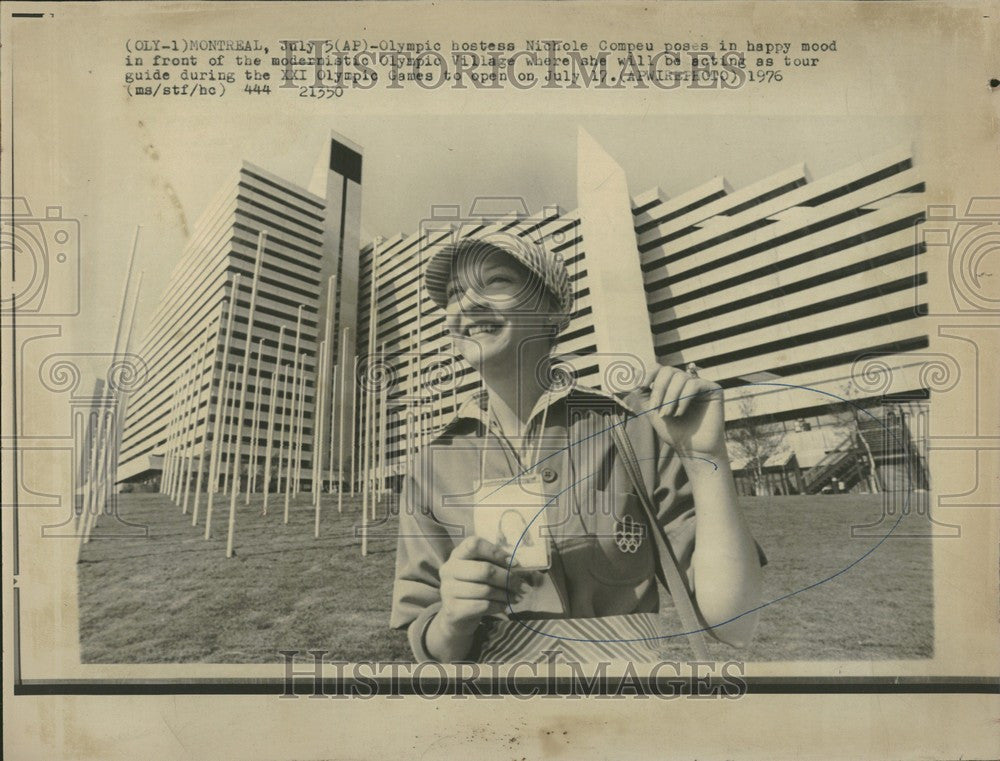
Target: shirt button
x: 549, y: 475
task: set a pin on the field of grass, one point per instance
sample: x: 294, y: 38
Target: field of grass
x: 174, y: 597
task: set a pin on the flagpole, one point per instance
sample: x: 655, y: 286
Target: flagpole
x: 220, y: 409
x: 295, y: 403
x: 228, y: 475
x: 298, y: 372
x: 252, y: 474
x: 175, y: 438
x: 281, y: 431
x: 100, y: 486
x: 198, y: 403
x: 372, y: 337
x: 355, y: 401
x: 300, y: 423
x: 270, y: 419
x: 168, y: 456
x: 342, y: 421
x: 334, y: 381
x: 204, y: 440
x: 91, y: 494
x: 317, y: 450
x: 124, y: 301
x: 370, y: 412
x: 330, y: 338
x: 319, y: 415
x: 189, y: 399
x: 93, y: 433
x: 414, y: 399
x: 261, y: 242
x: 169, y: 429
x: 185, y: 466
x: 383, y: 441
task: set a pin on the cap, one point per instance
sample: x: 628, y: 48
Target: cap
x: 547, y: 266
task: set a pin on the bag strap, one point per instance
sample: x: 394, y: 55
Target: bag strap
x: 668, y: 569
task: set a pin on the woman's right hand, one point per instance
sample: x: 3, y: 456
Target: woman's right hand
x: 477, y: 580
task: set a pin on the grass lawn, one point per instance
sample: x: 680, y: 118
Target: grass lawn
x: 174, y: 597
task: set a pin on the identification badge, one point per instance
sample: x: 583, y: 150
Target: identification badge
x: 511, y: 514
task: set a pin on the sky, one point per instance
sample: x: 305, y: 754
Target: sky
x: 114, y: 162
x: 147, y: 165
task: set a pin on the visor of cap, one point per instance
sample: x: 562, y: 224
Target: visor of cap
x: 550, y: 271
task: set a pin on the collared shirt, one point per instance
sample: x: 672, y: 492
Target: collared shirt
x: 601, y: 565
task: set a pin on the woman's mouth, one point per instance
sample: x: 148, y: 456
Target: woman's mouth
x: 482, y: 328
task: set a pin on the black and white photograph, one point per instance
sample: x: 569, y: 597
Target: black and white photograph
x: 367, y: 401
x: 433, y: 362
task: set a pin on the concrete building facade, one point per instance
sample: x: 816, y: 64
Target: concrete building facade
x: 786, y: 292
x: 791, y: 293
x: 311, y: 235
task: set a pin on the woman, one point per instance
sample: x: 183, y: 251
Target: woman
x: 550, y: 448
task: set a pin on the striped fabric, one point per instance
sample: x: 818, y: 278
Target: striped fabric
x: 636, y: 637
x: 548, y: 266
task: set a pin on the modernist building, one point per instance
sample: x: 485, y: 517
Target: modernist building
x: 787, y: 293
x: 792, y: 293
x: 311, y: 235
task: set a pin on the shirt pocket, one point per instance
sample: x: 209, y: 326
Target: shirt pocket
x: 621, y: 548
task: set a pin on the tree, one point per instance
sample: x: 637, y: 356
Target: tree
x: 753, y: 439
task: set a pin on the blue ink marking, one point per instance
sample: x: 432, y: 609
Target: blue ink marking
x: 713, y: 463
x: 903, y: 512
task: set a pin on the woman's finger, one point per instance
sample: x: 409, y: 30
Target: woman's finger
x: 467, y: 590
x: 691, y: 391
x: 672, y: 392
x: 658, y: 386
x: 480, y: 572
x: 477, y: 548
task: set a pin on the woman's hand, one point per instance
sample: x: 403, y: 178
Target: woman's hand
x: 687, y: 411
x: 475, y: 583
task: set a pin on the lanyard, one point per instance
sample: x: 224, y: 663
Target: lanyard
x: 491, y: 419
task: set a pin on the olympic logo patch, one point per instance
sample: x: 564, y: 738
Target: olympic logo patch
x: 629, y: 534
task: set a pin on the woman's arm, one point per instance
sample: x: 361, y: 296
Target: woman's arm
x: 725, y: 564
x: 687, y: 413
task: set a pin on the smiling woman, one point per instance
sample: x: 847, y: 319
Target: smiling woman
x: 497, y: 312
x: 608, y: 505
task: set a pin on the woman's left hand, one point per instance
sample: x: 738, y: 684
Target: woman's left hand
x: 687, y: 411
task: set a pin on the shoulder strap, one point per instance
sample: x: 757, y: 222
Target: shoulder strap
x: 668, y: 570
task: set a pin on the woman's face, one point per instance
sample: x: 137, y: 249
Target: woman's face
x: 495, y: 304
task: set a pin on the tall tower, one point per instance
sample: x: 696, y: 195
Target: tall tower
x: 337, y: 178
